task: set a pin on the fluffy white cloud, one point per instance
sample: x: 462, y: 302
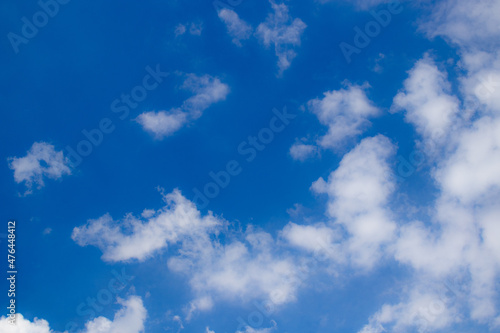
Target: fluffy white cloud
x: 42, y: 160
x: 163, y: 123
x: 236, y: 27
x: 283, y: 32
x: 24, y: 326
x: 251, y: 268
x: 129, y: 319
x: 345, y: 112
x: 427, y: 101
x: 460, y: 240
x: 320, y: 240
x: 359, y: 192
x: 471, y: 173
x: 427, y: 308
x: 301, y: 152
x: 471, y: 24
x: 136, y: 238
x: 207, y: 91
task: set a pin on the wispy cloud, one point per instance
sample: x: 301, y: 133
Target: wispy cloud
x: 283, y: 32
x: 207, y: 91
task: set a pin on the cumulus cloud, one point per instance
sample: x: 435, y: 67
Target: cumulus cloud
x: 345, y: 111
x: 283, y: 32
x: 243, y: 269
x: 41, y: 161
x: 359, y: 192
x: 129, y: 319
x: 427, y: 101
x: 138, y: 238
x: 236, y: 27
x: 207, y: 91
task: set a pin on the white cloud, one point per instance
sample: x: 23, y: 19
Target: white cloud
x: 470, y: 24
x: 345, y: 112
x: 460, y: 240
x: 471, y: 173
x: 427, y: 101
x: 207, y: 91
x: 241, y: 270
x: 236, y: 27
x: 426, y: 308
x: 281, y: 31
x: 135, y: 238
x: 24, y: 326
x: 319, y: 239
x: 162, y: 123
x: 301, y: 152
x: 359, y: 192
x: 42, y: 160
x: 129, y: 319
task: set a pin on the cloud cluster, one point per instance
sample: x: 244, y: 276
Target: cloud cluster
x: 457, y: 238
x: 41, y: 161
x: 459, y: 242
x: 207, y: 91
x: 243, y: 267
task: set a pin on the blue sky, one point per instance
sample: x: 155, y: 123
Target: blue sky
x: 227, y: 167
